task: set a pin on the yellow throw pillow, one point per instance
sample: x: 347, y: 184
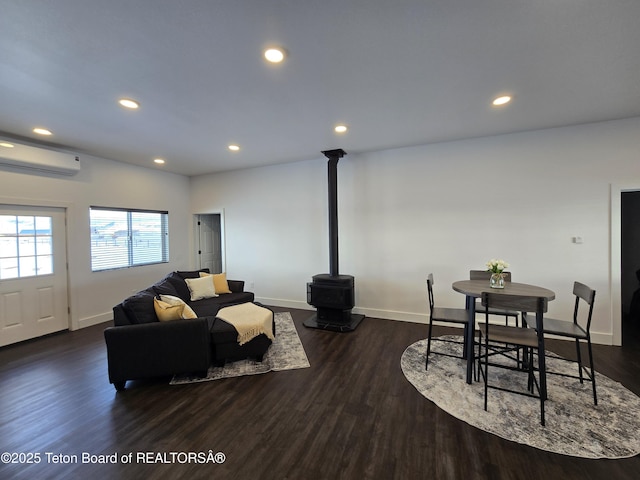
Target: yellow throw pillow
x: 167, y: 312
x: 220, y: 283
x: 187, y: 311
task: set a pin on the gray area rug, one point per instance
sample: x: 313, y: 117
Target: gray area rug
x: 574, y: 425
x: 285, y: 353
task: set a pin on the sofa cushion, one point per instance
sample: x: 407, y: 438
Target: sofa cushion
x: 192, y: 273
x: 210, y: 306
x: 236, y: 285
x: 165, y: 287
x: 206, y: 307
x: 179, y: 285
x: 200, y: 288
x: 139, y: 307
x: 223, y: 332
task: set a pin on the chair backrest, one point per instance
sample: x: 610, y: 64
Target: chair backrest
x: 486, y: 275
x: 581, y: 291
x: 521, y: 303
x: 430, y: 291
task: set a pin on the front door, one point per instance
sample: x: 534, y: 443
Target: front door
x: 33, y: 272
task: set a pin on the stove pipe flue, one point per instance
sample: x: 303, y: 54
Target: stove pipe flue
x: 332, y: 173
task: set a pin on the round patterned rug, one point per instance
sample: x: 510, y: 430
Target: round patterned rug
x: 574, y: 425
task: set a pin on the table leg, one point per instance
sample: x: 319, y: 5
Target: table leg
x: 470, y: 330
x: 542, y: 364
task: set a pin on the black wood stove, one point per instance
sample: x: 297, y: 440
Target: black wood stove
x: 333, y: 294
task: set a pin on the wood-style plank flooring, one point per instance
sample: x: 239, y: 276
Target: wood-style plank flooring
x: 351, y: 415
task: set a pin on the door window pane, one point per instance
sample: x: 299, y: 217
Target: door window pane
x: 26, y: 225
x: 44, y: 246
x: 45, y: 264
x: 8, y: 247
x: 9, y: 268
x: 43, y: 226
x: 26, y: 246
x: 27, y: 266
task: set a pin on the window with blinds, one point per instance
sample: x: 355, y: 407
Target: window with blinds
x: 122, y: 238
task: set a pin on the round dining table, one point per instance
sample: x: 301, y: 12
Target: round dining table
x: 473, y: 289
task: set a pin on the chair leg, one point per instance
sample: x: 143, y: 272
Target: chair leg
x: 464, y: 346
x: 531, y: 385
x: 579, y: 355
x: 426, y: 365
x: 542, y: 412
x: 542, y: 374
x: 485, y: 374
x: 476, y: 369
x: 593, y: 373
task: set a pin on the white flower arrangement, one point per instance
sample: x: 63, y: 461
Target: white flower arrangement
x: 496, y: 265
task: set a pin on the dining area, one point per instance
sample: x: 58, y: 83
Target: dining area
x: 498, y: 374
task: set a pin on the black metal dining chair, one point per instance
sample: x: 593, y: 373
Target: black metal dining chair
x: 503, y: 338
x: 455, y: 316
x: 480, y: 309
x: 572, y: 329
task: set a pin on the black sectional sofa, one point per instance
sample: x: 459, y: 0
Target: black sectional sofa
x: 140, y: 346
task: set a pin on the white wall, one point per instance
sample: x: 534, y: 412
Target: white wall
x: 443, y: 208
x: 108, y: 184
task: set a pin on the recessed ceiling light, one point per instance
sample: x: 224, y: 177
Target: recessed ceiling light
x: 503, y: 100
x: 341, y: 128
x: 159, y: 161
x: 274, y: 54
x: 41, y: 131
x: 233, y: 147
x: 128, y: 103
x: 6, y: 145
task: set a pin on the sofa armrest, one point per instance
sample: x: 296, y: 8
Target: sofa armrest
x: 157, y: 349
x: 120, y: 316
x: 236, y: 286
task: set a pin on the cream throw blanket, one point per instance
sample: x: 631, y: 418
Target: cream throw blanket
x: 249, y: 319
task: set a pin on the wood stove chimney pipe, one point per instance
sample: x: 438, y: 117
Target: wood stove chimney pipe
x: 332, y: 171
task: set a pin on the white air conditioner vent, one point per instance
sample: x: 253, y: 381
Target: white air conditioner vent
x: 16, y: 156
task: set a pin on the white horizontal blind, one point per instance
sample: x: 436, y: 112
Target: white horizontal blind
x: 122, y: 238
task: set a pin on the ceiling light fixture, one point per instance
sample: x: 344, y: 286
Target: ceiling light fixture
x: 233, y: 147
x: 6, y: 145
x: 41, y: 131
x: 159, y: 161
x: 340, y: 128
x: 128, y: 103
x: 274, y: 54
x: 503, y: 100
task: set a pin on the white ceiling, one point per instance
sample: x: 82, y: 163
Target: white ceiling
x: 399, y: 73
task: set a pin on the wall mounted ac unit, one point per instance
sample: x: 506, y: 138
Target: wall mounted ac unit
x: 15, y: 156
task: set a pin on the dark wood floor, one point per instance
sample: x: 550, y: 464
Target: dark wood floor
x: 351, y: 415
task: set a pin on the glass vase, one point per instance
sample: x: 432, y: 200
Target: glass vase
x: 496, y: 280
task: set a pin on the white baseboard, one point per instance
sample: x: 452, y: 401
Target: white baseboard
x: 393, y: 315
x: 423, y: 318
x: 367, y: 312
x: 94, y: 320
